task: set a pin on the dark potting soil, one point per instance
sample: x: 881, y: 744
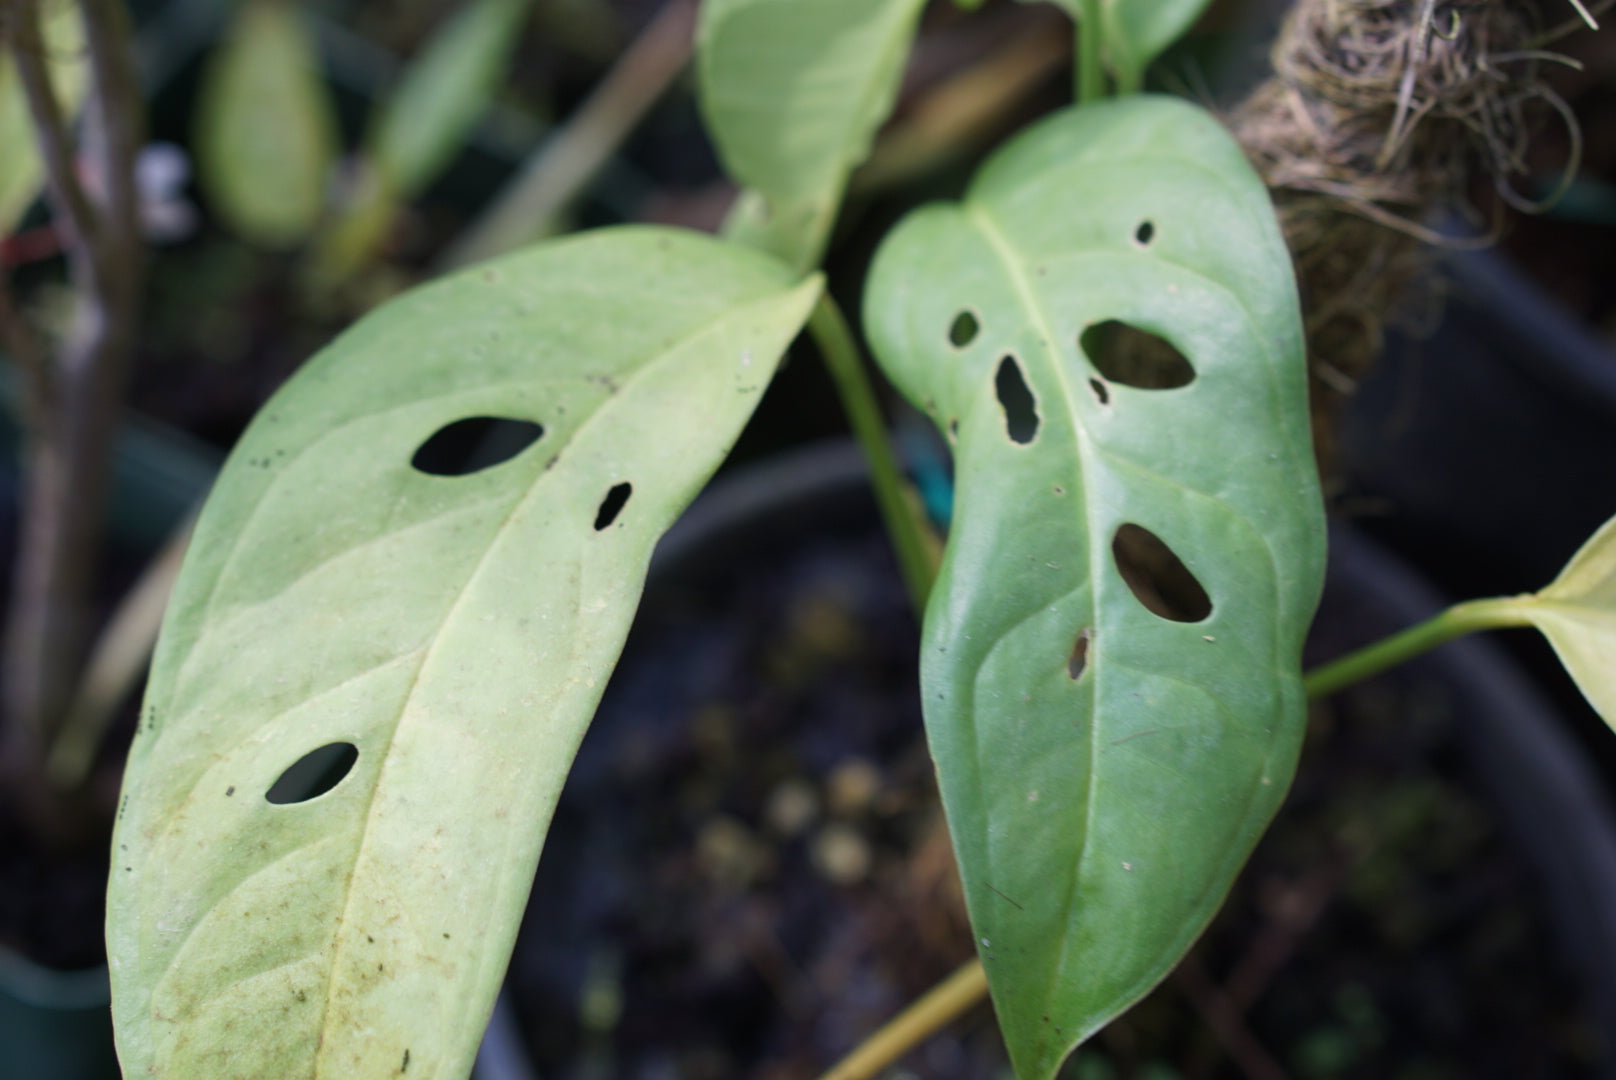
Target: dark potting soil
x: 748, y: 873
x: 52, y: 903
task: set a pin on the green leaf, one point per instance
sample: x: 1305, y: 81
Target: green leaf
x: 22, y: 174
x: 793, y: 92
x: 1577, y: 613
x: 457, y: 630
x: 266, y: 129
x: 443, y: 93
x: 1106, y: 769
x: 1135, y: 32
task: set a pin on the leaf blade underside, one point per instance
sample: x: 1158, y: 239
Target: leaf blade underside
x: 1106, y: 769
x: 457, y: 630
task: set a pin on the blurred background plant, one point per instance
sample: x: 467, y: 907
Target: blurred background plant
x: 345, y: 149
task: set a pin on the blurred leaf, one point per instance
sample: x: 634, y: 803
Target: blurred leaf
x: 22, y: 174
x: 266, y: 133
x: 449, y: 621
x: 1135, y: 32
x: 1106, y: 329
x: 793, y: 92
x: 443, y: 94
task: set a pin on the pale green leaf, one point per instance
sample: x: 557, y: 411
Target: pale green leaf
x: 443, y: 93
x: 456, y: 629
x: 266, y: 135
x: 1135, y: 32
x: 1577, y: 613
x: 793, y: 92
x: 1138, y: 31
x: 1105, y: 769
x: 22, y: 174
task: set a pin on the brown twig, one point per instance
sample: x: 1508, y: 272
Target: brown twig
x: 67, y: 459
x: 1226, y: 1022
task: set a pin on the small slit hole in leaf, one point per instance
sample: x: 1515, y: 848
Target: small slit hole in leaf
x: 1020, y: 407
x: 1101, y: 394
x: 474, y: 444
x: 1145, y: 233
x: 1079, y: 660
x: 1157, y: 577
x: 963, y: 330
x: 1135, y: 357
x: 313, y: 774
x: 612, y: 505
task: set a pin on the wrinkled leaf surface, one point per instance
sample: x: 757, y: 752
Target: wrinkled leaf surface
x: 1106, y: 769
x: 793, y: 92
x: 443, y: 93
x: 456, y: 630
x: 22, y: 174
x: 266, y: 134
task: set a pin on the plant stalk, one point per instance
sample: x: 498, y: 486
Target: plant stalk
x: 901, y: 513
x: 941, y: 1004
x: 1090, y: 72
x: 1372, y: 659
x: 75, y: 400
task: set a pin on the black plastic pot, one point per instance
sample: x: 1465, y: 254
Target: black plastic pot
x: 54, y: 1025
x: 1467, y: 717
x: 1482, y: 453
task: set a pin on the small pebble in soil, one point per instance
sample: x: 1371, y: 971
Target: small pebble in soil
x: 841, y: 855
x: 792, y: 808
x: 852, y: 786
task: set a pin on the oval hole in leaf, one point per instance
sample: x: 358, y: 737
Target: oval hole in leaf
x: 613, y: 504
x: 474, y: 444
x: 1134, y: 357
x: 1079, y: 660
x: 313, y: 774
x: 964, y: 329
x: 1158, y: 578
x: 1145, y: 233
x: 1015, y: 397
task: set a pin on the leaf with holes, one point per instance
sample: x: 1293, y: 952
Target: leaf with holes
x: 417, y: 567
x: 1106, y: 328
x: 266, y: 129
x: 793, y: 91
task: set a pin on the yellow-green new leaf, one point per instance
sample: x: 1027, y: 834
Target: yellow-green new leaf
x: 22, y: 174
x: 1577, y: 613
x: 793, y: 92
x: 444, y: 625
x: 266, y: 133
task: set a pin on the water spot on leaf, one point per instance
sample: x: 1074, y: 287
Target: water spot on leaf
x: 1145, y: 233
x: 1135, y: 357
x: 612, y: 505
x: 313, y: 774
x: 1079, y: 660
x: 1158, y: 577
x: 1015, y: 397
x: 474, y: 444
x: 964, y: 329
x: 1101, y: 394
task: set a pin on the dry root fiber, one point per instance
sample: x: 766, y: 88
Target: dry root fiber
x: 1377, y: 118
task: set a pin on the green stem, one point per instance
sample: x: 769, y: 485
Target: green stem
x: 1371, y: 660
x: 1090, y: 73
x: 899, y: 512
